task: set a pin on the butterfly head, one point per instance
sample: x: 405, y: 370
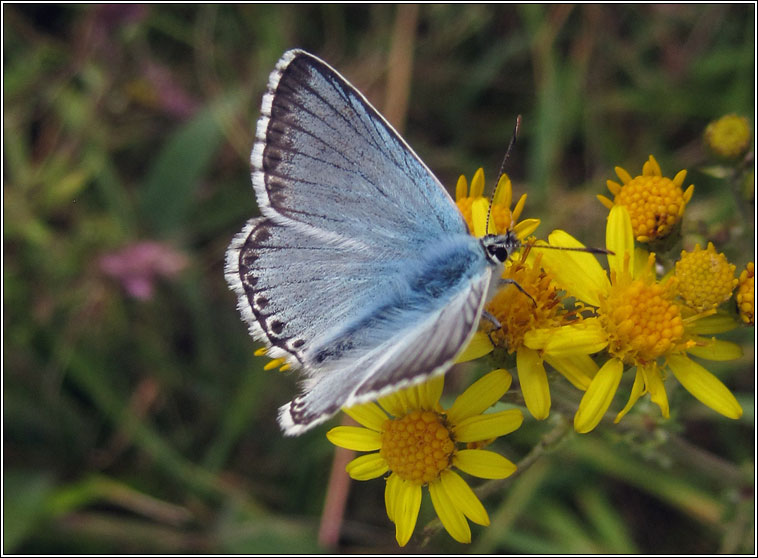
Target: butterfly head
x: 499, y: 247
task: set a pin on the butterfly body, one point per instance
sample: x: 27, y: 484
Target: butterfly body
x: 361, y: 271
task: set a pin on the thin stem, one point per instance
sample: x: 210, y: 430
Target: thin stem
x: 546, y: 445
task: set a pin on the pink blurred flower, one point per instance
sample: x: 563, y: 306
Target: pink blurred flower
x: 137, y: 266
x: 170, y: 94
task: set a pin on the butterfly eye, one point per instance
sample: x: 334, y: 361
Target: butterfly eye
x: 501, y: 253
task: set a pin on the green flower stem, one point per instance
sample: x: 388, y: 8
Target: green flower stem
x: 549, y: 442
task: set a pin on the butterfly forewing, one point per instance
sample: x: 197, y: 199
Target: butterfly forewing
x: 326, y: 158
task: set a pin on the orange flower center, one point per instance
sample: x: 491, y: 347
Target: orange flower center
x: 641, y: 320
x: 705, y: 278
x: 655, y: 205
x: 729, y: 136
x: 516, y: 312
x: 745, y: 295
x: 418, y: 446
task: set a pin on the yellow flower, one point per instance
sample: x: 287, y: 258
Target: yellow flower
x: 705, y: 278
x: 655, y: 203
x: 517, y: 312
x: 418, y: 443
x: 640, y: 324
x: 474, y: 207
x: 728, y: 137
x: 745, y: 295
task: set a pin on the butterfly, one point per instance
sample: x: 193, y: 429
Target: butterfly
x: 360, y: 271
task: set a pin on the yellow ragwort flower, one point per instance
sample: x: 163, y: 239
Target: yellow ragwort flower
x: 517, y: 312
x: 474, y: 207
x: 728, y: 137
x: 655, y: 203
x: 418, y: 443
x: 705, y: 278
x: 640, y: 324
x: 745, y: 295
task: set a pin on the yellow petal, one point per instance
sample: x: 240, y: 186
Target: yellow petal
x: 479, y: 210
x: 619, y: 239
x: 276, y: 363
x: 524, y: 228
x: 715, y: 323
x: 367, y: 467
x: 410, y: 397
x: 678, y: 180
x: 706, y: 387
x: 577, y: 369
x: 715, y: 349
x: 503, y: 192
x: 614, y: 188
x: 598, y: 396
x: 484, y: 464
x: 637, y: 390
x: 461, y: 188
x: 480, y: 396
x: 430, y: 392
x: 450, y: 515
x: 464, y: 498
x: 490, y: 425
x: 654, y: 385
x: 394, y: 403
x: 516, y: 213
x: 479, y: 346
x: 651, y: 167
x: 604, y: 200
x: 477, y: 184
x: 392, y: 494
x: 687, y: 196
x: 406, y: 510
x: 640, y: 265
x: 586, y: 338
x: 369, y: 415
x: 533, y: 380
x: 579, y: 273
x: 625, y: 177
x: 355, y: 438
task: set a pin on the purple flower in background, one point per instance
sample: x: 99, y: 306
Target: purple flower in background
x: 170, y: 94
x: 138, y: 265
x: 113, y: 16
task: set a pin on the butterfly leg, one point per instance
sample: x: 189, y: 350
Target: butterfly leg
x: 519, y: 287
x: 494, y: 321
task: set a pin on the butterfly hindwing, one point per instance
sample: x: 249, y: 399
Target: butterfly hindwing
x: 422, y: 351
x: 295, y: 288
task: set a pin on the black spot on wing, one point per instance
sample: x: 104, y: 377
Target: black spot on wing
x: 271, y: 326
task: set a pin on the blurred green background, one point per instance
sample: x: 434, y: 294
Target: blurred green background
x: 136, y: 418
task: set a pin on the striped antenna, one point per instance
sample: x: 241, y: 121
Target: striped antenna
x: 502, y: 169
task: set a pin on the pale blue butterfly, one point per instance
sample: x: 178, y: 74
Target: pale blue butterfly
x: 361, y: 271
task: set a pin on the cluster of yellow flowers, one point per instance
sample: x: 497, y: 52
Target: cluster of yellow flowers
x: 626, y: 318
x: 588, y: 323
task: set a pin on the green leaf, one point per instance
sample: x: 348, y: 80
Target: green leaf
x: 24, y: 496
x: 178, y: 170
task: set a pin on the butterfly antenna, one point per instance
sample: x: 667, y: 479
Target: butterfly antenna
x: 573, y: 249
x: 502, y: 166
